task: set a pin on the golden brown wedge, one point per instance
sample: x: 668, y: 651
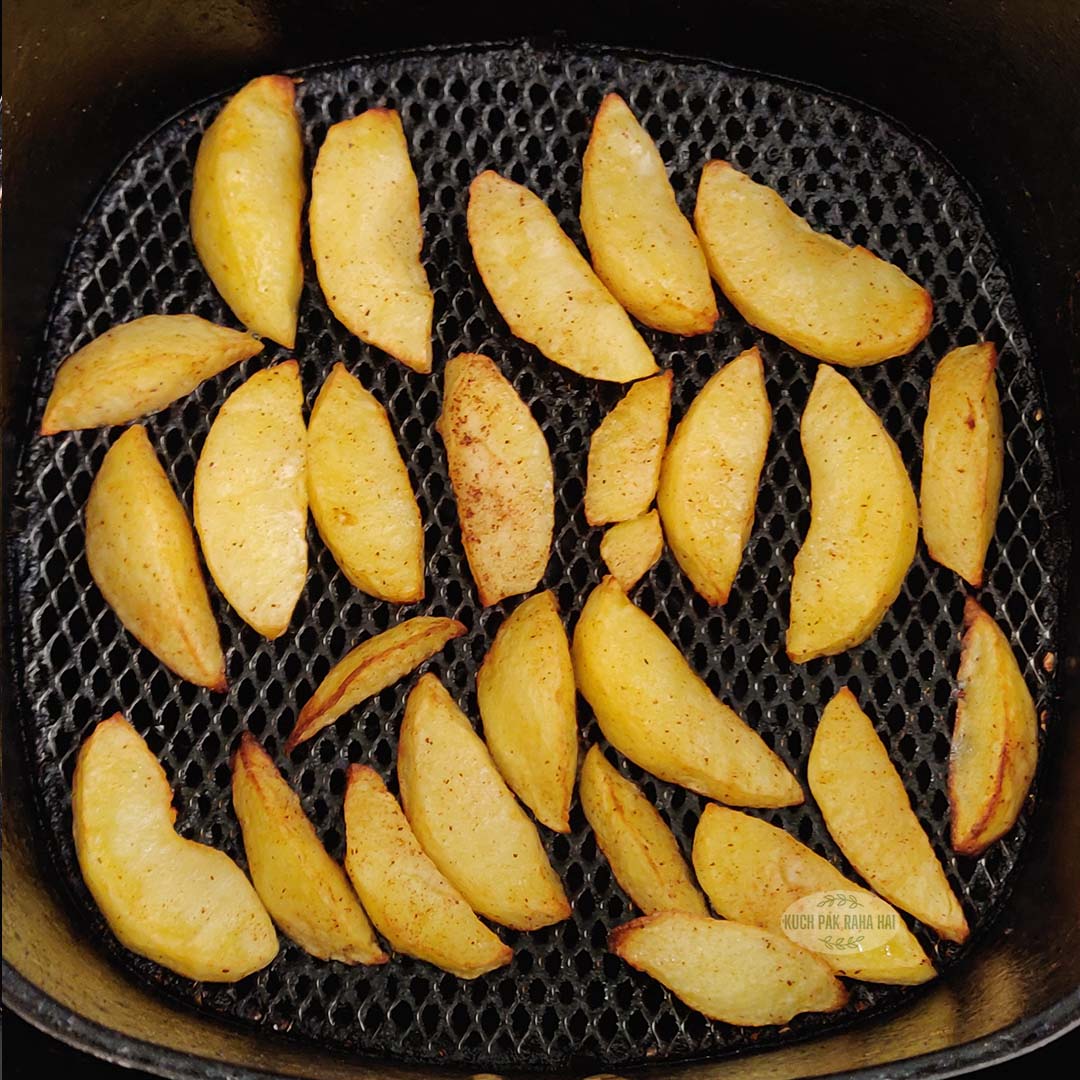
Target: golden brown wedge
x: 140, y: 367
x: 366, y: 236
x: 141, y: 554
x: 246, y: 202
x: 360, y: 493
x: 371, y: 667
x: 467, y: 820
x: 410, y: 902
x: 642, y: 247
x: 753, y: 872
x: 528, y: 705
x: 631, y: 549
x: 837, y: 303
x: 869, y: 814
x: 995, y: 742
x: 500, y: 469
x: 863, y: 523
x: 625, y: 453
x: 251, y: 498
x: 544, y: 288
x: 653, y: 708
x: 182, y: 904
x: 709, y: 480
x: 305, y: 891
x: 963, y: 460
x: 728, y: 971
x: 644, y: 855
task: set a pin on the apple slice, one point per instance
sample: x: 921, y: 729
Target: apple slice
x: 141, y: 554
x: 467, y: 821
x: 631, y: 549
x: 251, y: 498
x: 642, y: 247
x: 863, y: 526
x: 544, y: 288
x: 995, y: 741
x: 414, y: 907
x: 182, y: 904
x: 305, y: 891
x: 709, y: 480
x: 366, y: 236
x: 246, y: 203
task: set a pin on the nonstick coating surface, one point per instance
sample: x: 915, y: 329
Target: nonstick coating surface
x: 564, y: 1001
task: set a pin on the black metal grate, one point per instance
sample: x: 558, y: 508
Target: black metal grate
x: 564, y: 1001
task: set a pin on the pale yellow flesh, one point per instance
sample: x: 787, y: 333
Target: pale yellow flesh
x: 644, y: 855
x: 528, y: 705
x: 251, y: 498
x: 246, y: 202
x: 837, y: 303
x: 183, y: 905
x: 366, y: 236
x: 868, y: 813
x: 655, y: 710
x: 410, y: 902
x: 141, y: 554
x: 963, y: 460
x: 500, y: 469
x: 863, y: 526
x: 728, y: 971
x: 138, y: 368
x: 753, y: 872
x: 306, y: 893
x: 642, y: 247
x: 544, y: 288
x: 631, y: 549
x: 360, y: 493
x: 625, y: 453
x: 370, y: 668
x: 995, y: 741
x: 709, y: 480
x: 467, y: 820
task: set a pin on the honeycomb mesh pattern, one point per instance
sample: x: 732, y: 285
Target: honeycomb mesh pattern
x: 564, y: 1002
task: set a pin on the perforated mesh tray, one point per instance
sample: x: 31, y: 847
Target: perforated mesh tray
x: 564, y: 1001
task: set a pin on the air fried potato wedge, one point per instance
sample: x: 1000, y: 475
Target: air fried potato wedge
x: 963, y: 460
x: 868, y: 813
x: 371, y: 667
x: 709, y: 480
x: 251, y: 498
x: 500, y: 469
x: 837, y: 303
x: 467, y: 820
x: 644, y: 855
x: 625, y: 453
x: 246, y: 202
x: 360, y: 493
x: 863, y: 526
x: 753, y: 872
x: 631, y: 549
x: 410, y: 902
x: 182, y: 904
x: 995, y: 740
x: 544, y: 288
x: 141, y: 554
x: 642, y: 247
x: 306, y: 893
x: 528, y: 706
x: 139, y: 367
x: 728, y: 971
x: 653, y: 708
x: 366, y: 236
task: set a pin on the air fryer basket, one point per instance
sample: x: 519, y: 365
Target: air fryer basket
x: 563, y: 1003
